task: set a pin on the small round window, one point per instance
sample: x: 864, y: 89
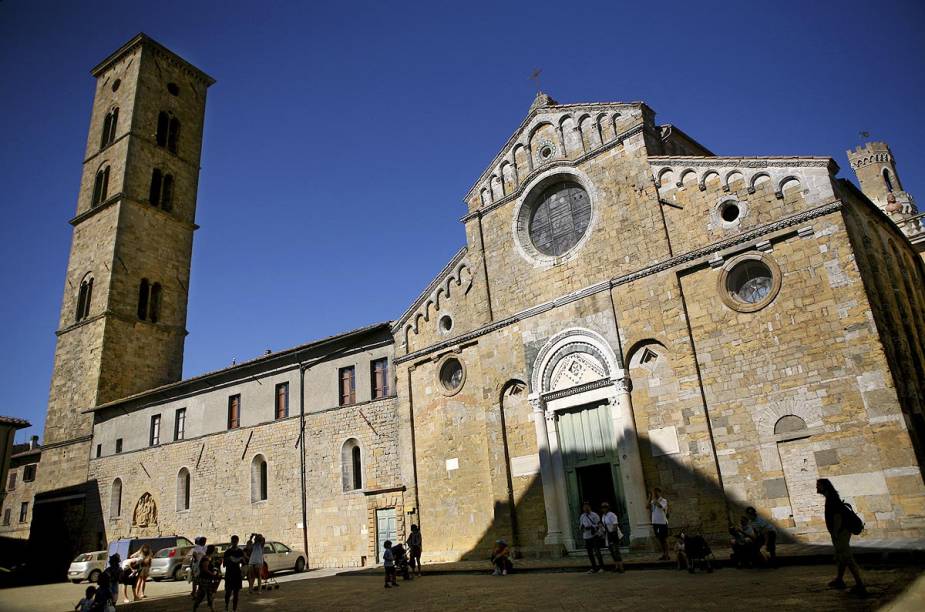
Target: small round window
x: 451, y: 374
x: 750, y: 282
x: 559, y: 218
x: 729, y: 212
x: 446, y: 323
x: 173, y: 89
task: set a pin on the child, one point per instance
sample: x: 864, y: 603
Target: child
x: 680, y: 549
x: 209, y: 577
x: 388, y: 561
x: 86, y: 603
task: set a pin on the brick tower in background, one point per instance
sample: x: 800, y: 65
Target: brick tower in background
x: 123, y: 316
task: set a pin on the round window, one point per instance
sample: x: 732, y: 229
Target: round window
x: 559, y: 218
x: 750, y: 282
x: 729, y: 212
x: 115, y: 84
x: 451, y: 374
x: 173, y: 88
x: 446, y: 323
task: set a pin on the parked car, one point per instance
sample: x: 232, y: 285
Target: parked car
x: 87, y: 566
x: 127, y: 547
x: 167, y: 562
x: 188, y: 559
x: 278, y: 557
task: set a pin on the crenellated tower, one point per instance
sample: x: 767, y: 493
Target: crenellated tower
x: 123, y: 316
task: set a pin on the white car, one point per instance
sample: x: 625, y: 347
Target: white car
x: 87, y: 566
x: 280, y: 557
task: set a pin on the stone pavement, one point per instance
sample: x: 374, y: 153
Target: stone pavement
x: 788, y: 588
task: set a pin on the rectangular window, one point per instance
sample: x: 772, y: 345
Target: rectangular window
x: 379, y: 380
x: 7, y: 516
x: 179, y: 425
x: 23, y: 511
x: 99, y: 450
x: 11, y: 483
x: 155, y: 438
x: 282, y: 400
x: 234, y: 412
x: 347, y: 379
x: 28, y: 473
x: 119, y: 445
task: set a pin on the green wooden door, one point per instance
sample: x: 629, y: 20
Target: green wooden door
x: 585, y: 440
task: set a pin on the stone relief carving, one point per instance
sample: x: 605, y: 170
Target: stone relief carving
x: 145, y: 513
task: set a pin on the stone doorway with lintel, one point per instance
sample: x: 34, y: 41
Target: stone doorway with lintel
x: 580, y: 394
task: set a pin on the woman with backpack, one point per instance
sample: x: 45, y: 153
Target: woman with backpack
x: 841, y: 521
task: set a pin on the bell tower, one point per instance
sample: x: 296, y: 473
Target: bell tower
x: 875, y: 168
x: 123, y: 316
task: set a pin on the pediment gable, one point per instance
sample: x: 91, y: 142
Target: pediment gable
x: 553, y: 132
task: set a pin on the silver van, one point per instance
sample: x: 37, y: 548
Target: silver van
x: 87, y: 566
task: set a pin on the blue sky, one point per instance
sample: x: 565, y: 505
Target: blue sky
x: 340, y: 139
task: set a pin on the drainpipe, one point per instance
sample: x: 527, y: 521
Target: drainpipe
x: 302, y: 459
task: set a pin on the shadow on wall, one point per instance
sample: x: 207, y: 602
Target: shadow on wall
x: 65, y: 523
x: 706, y: 512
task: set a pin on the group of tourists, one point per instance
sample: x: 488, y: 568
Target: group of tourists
x: 749, y: 536
x: 238, y: 563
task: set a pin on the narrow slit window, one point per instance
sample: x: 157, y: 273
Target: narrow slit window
x: 173, y: 137
x: 167, y: 193
x: 154, y: 303
x: 160, y: 136
x: 154, y: 195
x: 143, y: 292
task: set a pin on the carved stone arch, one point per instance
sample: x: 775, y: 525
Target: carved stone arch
x: 757, y: 179
x: 732, y: 176
x: 599, y: 122
x: 613, y: 121
x: 665, y: 177
x: 603, y: 361
x: 585, y: 124
x: 497, y: 187
x: 508, y: 176
x: 687, y: 177
x: 438, y: 295
x: 408, y: 330
x: 788, y: 182
x: 417, y: 322
x: 428, y: 309
x: 706, y: 176
x: 766, y: 418
x: 485, y: 196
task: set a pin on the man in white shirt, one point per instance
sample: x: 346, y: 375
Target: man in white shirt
x: 659, y: 506
x: 613, y: 534
x: 591, y: 531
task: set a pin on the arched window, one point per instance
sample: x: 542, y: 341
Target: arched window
x: 351, y: 459
x: 154, y: 194
x: 167, y: 193
x: 115, y: 499
x: 100, y: 186
x: 154, y: 303
x: 84, y: 296
x: 161, y: 192
x: 162, y: 124
x: 183, y: 489
x: 886, y: 179
x: 143, y: 291
x: 259, y: 479
x: 109, y: 128
x: 173, y: 136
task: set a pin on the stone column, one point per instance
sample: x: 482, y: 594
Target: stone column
x: 634, y: 486
x: 558, y: 474
x: 553, y: 528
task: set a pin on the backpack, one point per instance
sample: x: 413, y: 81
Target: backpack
x: 851, y: 520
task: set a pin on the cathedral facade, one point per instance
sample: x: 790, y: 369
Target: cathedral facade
x: 629, y: 311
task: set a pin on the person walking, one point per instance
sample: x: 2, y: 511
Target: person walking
x: 255, y: 563
x: 232, y: 560
x: 415, y: 544
x: 765, y: 534
x: 592, y: 531
x: 208, y: 579
x: 612, y: 535
x: 388, y: 563
x: 659, y: 508
x: 196, y: 555
x: 835, y: 522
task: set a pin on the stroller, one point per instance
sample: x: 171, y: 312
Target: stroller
x: 697, y: 550
x: 267, y: 580
x: 401, y: 561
